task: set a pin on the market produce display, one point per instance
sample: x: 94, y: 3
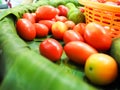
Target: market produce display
x: 47, y: 45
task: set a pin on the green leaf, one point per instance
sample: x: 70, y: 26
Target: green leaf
x: 23, y: 68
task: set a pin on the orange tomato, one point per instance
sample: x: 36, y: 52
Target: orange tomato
x: 101, y: 69
x: 58, y: 29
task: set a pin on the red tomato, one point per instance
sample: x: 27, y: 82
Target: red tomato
x: 80, y: 27
x: 58, y: 30
x: 111, y: 3
x: 34, y: 15
x: 118, y: 2
x: 46, y: 12
x: 48, y: 23
x: 25, y: 29
x: 70, y: 24
x: 63, y: 10
x: 51, y: 49
x: 78, y: 51
x: 97, y: 36
x: 102, y: 1
x: 29, y: 16
x: 41, y: 30
x: 71, y: 35
x: 82, y: 9
x: 60, y: 18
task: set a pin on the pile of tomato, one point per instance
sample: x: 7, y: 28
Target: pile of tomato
x: 82, y: 42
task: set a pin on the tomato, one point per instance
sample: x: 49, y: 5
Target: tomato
x: 111, y: 3
x: 108, y: 29
x: 78, y: 51
x: 80, y: 27
x: 58, y: 11
x: 46, y: 12
x: 118, y: 2
x: 60, y: 18
x: 29, y: 16
x: 34, y: 15
x: 97, y: 36
x: 82, y: 9
x: 51, y: 49
x: 70, y: 24
x: 48, y: 23
x: 25, y: 29
x: 71, y: 35
x: 63, y: 10
x: 41, y: 30
x: 101, y: 69
x: 58, y: 30
x: 102, y: 1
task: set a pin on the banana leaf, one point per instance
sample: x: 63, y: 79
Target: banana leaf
x: 23, y: 68
x: 19, y: 10
x: 27, y: 70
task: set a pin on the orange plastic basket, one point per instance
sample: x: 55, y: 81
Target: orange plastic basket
x: 103, y: 14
